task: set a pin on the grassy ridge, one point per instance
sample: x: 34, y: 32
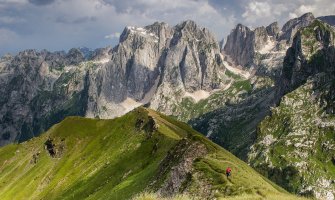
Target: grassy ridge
x: 116, y: 159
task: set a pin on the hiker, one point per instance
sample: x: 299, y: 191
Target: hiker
x: 228, y: 171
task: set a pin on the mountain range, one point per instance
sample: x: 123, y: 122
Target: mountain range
x: 264, y: 94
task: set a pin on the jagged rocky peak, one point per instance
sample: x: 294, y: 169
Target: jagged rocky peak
x: 193, y: 32
x: 75, y: 56
x: 242, y: 29
x: 87, y: 52
x: 312, y: 52
x: 244, y: 45
x: 319, y: 35
x: 260, y: 37
x: 151, y: 64
x: 101, y: 53
x: 303, y: 20
x: 239, y: 45
x: 188, y: 25
x: 151, y: 33
x: 291, y: 27
x: 160, y: 29
x: 191, y: 64
x: 273, y: 29
x: 27, y: 54
x: 29, y: 58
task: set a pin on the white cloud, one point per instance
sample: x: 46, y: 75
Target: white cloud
x: 256, y: 10
x: 305, y: 8
x: 317, y: 7
x: 10, y: 20
x: 9, y: 3
x: 261, y: 13
x: 292, y: 15
x: 7, y: 36
x: 113, y: 35
x: 13, y: 1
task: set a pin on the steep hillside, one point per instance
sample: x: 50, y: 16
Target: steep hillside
x: 295, y: 145
x: 115, y: 159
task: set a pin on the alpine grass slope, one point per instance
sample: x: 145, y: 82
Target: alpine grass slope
x: 140, y: 152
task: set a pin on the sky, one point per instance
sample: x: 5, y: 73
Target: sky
x: 63, y: 24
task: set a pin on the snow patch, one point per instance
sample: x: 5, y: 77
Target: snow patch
x: 198, y: 95
x: 143, y: 32
x: 233, y: 69
x: 102, y: 61
x: 268, y: 47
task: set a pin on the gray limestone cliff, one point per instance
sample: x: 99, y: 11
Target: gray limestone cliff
x: 262, y: 50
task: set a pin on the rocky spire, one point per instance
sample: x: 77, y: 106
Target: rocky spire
x: 291, y: 27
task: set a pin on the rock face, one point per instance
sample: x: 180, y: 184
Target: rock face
x: 262, y: 50
x: 239, y: 45
x: 36, y: 84
x: 191, y: 63
x: 312, y: 52
x: 295, y: 145
x: 291, y: 27
x: 156, y: 64
x: 273, y: 30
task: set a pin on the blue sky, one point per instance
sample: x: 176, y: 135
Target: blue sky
x: 62, y: 24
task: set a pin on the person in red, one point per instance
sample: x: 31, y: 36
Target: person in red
x: 228, y: 171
